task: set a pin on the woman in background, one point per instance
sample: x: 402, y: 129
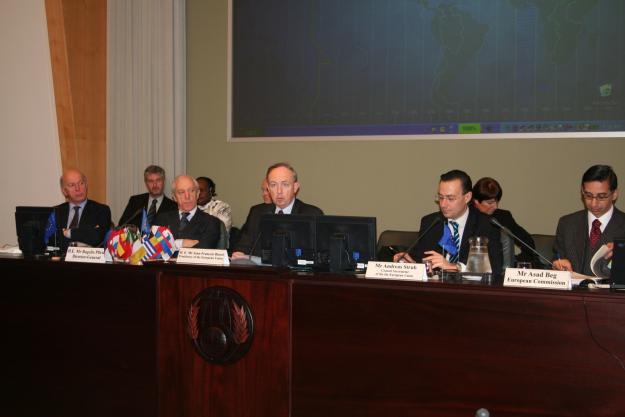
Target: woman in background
x: 486, y: 196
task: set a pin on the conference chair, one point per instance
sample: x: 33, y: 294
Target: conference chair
x: 393, y: 241
x: 544, y: 245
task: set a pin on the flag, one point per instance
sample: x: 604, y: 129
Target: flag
x: 447, y: 242
x: 159, y: 244
x: 50, y: 228
x: 145, y: 227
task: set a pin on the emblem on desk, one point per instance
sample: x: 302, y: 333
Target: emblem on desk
x: 221, y: 325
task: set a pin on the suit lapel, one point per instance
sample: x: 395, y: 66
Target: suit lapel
x: 469, y: 230
x: 296, y: 207
x: 85, y: 213
x: 580, y: 237
x: 616, y: 224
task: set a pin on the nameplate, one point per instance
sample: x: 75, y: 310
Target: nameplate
x: 218, y: 257
x: 537, y: 278
x: 396, y: 270
x: 89, y: 255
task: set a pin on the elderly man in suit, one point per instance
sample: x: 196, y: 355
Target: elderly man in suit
x: 463, y: 220
x: 283, y: 187
x: 154, y: 201
x: 80, y: 219
x: 579, y: 235
x: 190, y: 226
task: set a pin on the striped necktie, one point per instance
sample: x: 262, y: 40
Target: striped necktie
x: 456, y: 239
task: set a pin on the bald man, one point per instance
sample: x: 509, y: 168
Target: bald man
x: 80, y: 219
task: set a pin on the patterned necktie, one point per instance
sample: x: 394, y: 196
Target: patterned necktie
x: 152, y: 211
x: 456, y: 239
x: 184, y: 221
x: 595, y: 233
x: 74, y: 222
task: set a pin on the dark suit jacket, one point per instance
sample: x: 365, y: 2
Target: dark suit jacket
x: 251, y: 229
x: 139, y: 201
x: 572, y: 240
x: 95, y: 221
x: 505, y: 218
x: 202, y: 227
x: 478, y: 224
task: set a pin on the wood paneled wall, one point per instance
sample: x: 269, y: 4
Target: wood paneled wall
x: 77, y: 36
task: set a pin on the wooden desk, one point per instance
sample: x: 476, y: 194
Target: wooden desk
x: 111, y: 340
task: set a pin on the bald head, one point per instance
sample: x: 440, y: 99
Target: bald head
x: 185, y: 191
x: 74, y: 186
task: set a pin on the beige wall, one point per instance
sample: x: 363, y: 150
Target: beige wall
x: 393, y: 181
x: 30, y: 161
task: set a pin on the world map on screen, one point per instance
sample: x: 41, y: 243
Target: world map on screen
x: 402, y: 67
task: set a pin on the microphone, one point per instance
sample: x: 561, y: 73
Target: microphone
x: 260, y: 233
x: 436, y: 221
x: 518, y: 239
x: 131, y: 218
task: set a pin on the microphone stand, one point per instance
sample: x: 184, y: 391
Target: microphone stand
x: 418, y: 239
x: 518, y: 239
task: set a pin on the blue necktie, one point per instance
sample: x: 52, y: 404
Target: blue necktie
x: 456, y: 239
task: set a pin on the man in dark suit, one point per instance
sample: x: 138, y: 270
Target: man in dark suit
x: 579, y: 235
x: 190, y: 226
x: 79, y: 219
x: 154, y: 201
x: 463, y: 220
x: 283, y: 187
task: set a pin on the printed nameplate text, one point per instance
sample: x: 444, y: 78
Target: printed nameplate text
x: 396, y: 270
x: 89, y: 255
x: 537, y: 278
x: 196, y: 256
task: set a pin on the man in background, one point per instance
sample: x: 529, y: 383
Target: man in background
x: 80, y: 219
x: 283, y: 187
x: 579, y: 235
x: 154, y: 201
x: 190, y: 226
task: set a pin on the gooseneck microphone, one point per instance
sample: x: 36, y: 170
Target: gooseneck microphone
x: 518, y: 239
x: 436, y: 221
x: 131, y: 218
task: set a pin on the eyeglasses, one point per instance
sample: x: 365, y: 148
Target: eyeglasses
x: 451, y: 198
x: 599, y: 197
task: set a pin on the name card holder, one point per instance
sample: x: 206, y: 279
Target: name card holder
x: 537, y: 278
x: 215, y: 257
x: 396, y: 271
x: 88, y: 255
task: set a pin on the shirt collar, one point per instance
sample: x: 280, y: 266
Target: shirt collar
x: 605, y: 219
x: 462, y: 220
x: 287, y: 210
x: 191, y: 213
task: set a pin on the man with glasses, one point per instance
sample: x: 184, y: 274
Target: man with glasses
x: 463, y: 221
x: 579, y: 235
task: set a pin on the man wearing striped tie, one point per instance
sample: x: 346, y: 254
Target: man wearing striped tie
x: 462, y: 220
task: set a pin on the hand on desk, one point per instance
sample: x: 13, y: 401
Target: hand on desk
x: 563, y: 265
x: 403, y: 257
x: 238, y: 255
x: 439, y: 261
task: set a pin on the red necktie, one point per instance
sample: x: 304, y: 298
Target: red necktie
x: 595, y: 233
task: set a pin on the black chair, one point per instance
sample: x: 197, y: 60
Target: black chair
x: 393, y: 241
x: 544, y: 245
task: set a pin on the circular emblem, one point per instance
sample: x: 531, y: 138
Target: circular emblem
x: 221, y: 325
